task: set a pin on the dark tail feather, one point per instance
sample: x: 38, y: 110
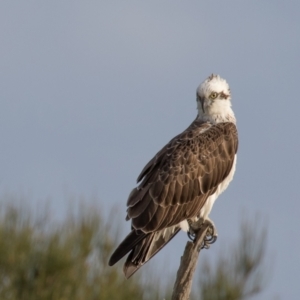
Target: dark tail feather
x: 146, y: 248
x: 131, y: 240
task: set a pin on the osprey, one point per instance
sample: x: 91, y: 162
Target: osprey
x: 180, y: 184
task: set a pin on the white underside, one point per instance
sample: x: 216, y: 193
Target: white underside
x: 211, y: 199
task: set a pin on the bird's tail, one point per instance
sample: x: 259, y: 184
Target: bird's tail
x: 143, y: 247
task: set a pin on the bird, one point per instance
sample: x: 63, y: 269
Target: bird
x: 179, y: 185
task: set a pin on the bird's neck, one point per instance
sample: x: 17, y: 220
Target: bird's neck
x: 217, y: 114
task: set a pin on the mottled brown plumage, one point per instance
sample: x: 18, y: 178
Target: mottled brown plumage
x: 182, y: 176
x: 175, y: 185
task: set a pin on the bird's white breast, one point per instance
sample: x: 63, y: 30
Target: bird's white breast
x: 211, y: 199
x: 221, y: 188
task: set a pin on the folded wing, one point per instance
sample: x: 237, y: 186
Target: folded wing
x: 174, y: 186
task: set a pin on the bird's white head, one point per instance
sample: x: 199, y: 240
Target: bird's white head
x: 213, y: 100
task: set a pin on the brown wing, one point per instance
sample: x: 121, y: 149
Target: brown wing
x: 179, y: 179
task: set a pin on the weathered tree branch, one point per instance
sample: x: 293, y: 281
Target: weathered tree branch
x: 185, y: 273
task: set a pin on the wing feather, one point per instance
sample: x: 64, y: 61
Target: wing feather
x: 134, y: 211
x: 176, y: 183
x: 170, y: 195
x: 145, y: 216
x: 156, y: 189
x: 177, y: 193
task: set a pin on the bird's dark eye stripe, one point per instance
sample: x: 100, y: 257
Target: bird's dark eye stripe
x: 223, y: 95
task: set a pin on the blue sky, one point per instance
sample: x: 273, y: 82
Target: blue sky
x: 90, y: 91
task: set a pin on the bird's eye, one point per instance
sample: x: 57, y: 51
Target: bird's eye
x: 213, y: 95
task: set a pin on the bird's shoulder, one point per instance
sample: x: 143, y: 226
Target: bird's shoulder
x: 195, y: 145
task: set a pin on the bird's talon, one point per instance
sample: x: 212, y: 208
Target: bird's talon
x: 210, y: 237
x: 191, y: 236
x: 211, y: 234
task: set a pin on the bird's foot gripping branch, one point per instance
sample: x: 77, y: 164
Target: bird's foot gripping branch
x: 211, y: 233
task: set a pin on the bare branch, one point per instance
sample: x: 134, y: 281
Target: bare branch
x: 185, y: 273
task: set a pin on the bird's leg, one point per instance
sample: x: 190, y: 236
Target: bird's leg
x: 211, y: 234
